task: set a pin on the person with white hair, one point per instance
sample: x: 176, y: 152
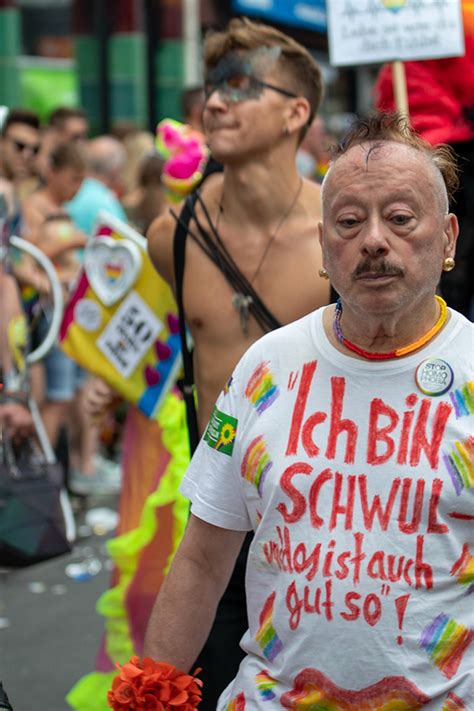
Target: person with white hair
x: 103, y: 185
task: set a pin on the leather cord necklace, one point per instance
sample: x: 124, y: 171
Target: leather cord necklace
x: 240, y: 300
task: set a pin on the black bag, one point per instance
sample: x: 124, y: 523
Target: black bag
x: 33, y: 506
x: 4, y: 702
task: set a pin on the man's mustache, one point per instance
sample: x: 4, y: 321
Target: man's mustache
x: 378, y: 268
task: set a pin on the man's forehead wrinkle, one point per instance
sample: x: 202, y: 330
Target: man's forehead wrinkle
x: 374, y: 162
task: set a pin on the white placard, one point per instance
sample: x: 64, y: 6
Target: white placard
x: 375, y: 31
x: 129, y: 334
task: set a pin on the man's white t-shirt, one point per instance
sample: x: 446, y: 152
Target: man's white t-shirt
x: 357, y: 478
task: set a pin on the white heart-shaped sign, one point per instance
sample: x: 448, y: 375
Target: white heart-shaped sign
x: 112, y: 267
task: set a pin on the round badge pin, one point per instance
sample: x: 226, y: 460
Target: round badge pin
x: 434, y: 376
x: 87, y: 314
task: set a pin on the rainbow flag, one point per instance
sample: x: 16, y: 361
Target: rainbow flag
x: 237, y: 704
x: 265, y: 685
x: 267, y: 638
x: 460, y: 464
x: 261, y: 390
x: 256, y: 463
x: 463, y: 569
x: 463, y: 399
x: 445, y: 642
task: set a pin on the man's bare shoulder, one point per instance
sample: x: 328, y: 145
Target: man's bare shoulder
x: 212, y: 186
x: 160, y: 243
x: 161, y: 231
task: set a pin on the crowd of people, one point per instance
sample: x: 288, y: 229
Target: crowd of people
x: 330, y: 393
x: 54, y: 181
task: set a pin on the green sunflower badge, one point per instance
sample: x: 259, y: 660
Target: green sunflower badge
x: 220, y: 432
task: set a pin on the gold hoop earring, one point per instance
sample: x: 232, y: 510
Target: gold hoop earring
x: 448, y: 264
x: 323, y: 273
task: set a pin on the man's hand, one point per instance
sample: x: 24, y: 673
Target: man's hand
x: 16, y: 419
x: 97, y: 397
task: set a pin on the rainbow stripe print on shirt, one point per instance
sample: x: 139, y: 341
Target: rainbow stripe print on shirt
x: 313, y: 690
x: 460, y: 464
x: 463, y: 569
x: 256, y: 463
x: 463, y: 399
x: 454, y: 703
x: 265, y: 685
x: 261, y: 390
x: 446, y: 641
x: 267, y: 638
x: 237, y: 704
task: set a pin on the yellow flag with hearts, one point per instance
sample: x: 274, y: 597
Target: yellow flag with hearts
x: 121, y: 321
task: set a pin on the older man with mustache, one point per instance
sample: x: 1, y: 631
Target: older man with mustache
x: 343, y: 441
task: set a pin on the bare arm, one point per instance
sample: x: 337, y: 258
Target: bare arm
x: 186, y: 606
x: 55, y: 245
x: 160, y: 244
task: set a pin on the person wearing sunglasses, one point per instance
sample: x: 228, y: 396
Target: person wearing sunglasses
x: 69, y: 124
x: 19, y: 146
x: 251, y: 252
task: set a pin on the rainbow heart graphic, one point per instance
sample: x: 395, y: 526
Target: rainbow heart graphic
x: 313, y: 690
x: 112, y: 267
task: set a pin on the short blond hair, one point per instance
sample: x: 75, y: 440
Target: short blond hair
x: 243, y: 34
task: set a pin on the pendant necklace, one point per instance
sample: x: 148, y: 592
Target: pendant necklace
x: 240, y: 301
x: 397, y: 352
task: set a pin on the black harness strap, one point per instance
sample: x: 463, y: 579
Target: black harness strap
x: 187, y: 383
x: 217, y: 252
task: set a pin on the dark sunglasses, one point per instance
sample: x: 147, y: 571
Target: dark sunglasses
x: 21, y: 147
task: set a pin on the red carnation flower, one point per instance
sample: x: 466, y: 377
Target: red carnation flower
x: 146, y: 685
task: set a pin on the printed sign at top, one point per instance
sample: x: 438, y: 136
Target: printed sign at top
x: 309, y: 13
x: 373, y: 31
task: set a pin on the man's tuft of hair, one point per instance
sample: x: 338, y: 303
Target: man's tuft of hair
x: 392, y: 126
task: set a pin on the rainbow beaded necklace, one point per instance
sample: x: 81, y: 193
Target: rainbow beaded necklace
x: 398, y: 352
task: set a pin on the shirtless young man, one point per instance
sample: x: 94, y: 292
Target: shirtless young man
x: 263, y: 90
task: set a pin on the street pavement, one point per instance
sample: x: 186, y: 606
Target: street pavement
x: 49, y: 630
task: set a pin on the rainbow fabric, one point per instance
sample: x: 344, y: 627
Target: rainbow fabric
x: 460, y: 464
x: 446, y: 641
x: 463, y: 399
x: 463, y: 569
x: 267, y: 638
x: 256, y: 463
x: 313, y: 691
x: 261, y: 390
x: 237, y: 704
x: 453, y: 703
x: 153, y: 516
x: 265, y: 685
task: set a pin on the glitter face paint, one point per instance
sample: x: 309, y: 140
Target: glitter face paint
x: 238, y: 75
